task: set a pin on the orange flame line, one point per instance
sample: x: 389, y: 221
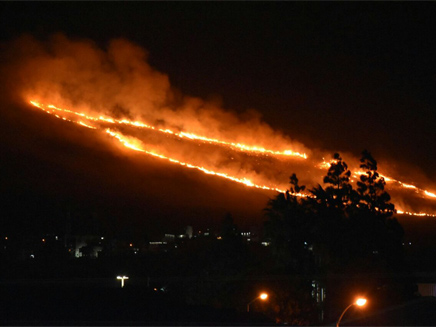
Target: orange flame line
x: 191, y: 136
x: 357, y: 173
x: 125, y: 141
x: 244, y: 181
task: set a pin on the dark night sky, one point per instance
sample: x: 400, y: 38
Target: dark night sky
x: 336, y: 76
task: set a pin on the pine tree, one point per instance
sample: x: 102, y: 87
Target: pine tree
x: 371, y: 189
x: 340, y: 193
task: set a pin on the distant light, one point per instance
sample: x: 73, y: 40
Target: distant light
x: 122, y: 278
x: 219, y: 238
x: 6, y: 237
x: 131, y: 244
x: 32, y: 256
x: 360, y: 302
x: 56, y: 238
x: 262, y: 296
x: 43, y: 240
x: 102, y: 238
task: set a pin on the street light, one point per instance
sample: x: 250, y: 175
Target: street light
x: 262, y: 296
x: 359, y: 302
x: 122, y: 278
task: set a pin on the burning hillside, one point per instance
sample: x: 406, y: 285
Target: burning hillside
x: 118, y: 93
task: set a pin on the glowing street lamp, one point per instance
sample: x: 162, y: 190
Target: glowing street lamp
x: 262, y: 296
x: 359, y: 302
x: 122, y: 278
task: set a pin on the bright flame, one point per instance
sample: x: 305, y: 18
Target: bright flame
x: 263, y: 296
x: 241, y: 147
x: 136, y: 145
x: 357, y: 173
x: 132, y: 144
x: 430, y: 194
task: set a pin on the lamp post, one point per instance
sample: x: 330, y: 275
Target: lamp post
x: 359, y: 302
x: 122, y: 278
x: 262, y: 296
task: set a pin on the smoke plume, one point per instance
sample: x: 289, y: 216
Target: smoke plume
x: 118, y: 82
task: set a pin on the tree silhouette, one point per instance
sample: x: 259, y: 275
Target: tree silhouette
x: 383, y: 233
x: 373, y: 196
x: 340, y: 193
x: 348, y: 232
x: 337, y: 222
x: 288, y: 226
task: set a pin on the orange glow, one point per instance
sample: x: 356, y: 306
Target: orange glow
x: 360, y: 302
x: 430, y: 194
x: 418, y: 214
x: 408, y: 186
x: 263, y: 296
x: 133, y: 144
x: 239, y: 146
x: 357, y: 173
x: 136, y: 145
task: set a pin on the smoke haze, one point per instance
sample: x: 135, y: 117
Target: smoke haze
x: 118, y: 82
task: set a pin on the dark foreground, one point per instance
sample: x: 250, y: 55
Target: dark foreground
x: 103, y: 302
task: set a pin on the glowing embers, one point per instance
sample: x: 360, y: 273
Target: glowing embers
x: 133, y: 144
x: 418, y: 214
x: 432, y: 195
x: 357, y: 173
x: 239, y: 176
x: 192, y: 136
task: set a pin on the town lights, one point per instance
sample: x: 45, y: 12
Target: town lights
x: 359, y: 302
x: 262, y: 296
x: 122, y: 278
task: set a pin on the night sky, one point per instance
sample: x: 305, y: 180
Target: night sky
x: 332, y: 76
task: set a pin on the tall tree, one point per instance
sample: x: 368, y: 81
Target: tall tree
x: 349, y: 231
x: 339, y: 192
x: 371, y: 189
x: 384, y: 233
x: 288, y: 226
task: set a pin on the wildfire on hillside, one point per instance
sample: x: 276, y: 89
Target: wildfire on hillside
x: 136, y: 144
x: 116, y: 92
